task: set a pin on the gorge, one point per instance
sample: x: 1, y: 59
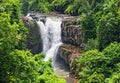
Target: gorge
x: 52, y: 31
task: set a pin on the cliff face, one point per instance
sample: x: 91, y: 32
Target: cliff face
x: 72, y: 34
x: 72, y: 39
x: 69, y: 52
x: 34, y: 42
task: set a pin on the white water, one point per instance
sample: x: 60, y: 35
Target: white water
x: 51, y: 37
x: 29, y: 17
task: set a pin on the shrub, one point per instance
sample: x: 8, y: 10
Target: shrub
x: 91, y: 45
x: 95, y: 66
x: 23, y: 67
x: 108, y: 29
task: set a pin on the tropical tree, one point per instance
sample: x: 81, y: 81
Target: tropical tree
x: 108, y: 29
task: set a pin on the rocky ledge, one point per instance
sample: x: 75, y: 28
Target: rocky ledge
x: 72, y: 34
x: 69, y: 52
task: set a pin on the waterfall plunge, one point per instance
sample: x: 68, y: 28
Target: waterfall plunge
x: 51, y: 37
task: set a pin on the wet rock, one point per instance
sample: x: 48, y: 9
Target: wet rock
x: 69, y: 18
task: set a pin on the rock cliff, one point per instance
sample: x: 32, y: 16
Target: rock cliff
x: 72, y: 39
x: 34, y: 42
x: 69, y: 52
x: 72, y: 34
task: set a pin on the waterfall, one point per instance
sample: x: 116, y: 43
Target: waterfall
x: 50, y: 31
x: 51, y: 36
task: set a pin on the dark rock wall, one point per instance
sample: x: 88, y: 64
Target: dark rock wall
x: 72, y: 34
x: 72, y: 39
x: 69, y: 52
x: 34, y: 42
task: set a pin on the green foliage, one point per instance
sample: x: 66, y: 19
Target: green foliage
x: 12, y: 34
x: 113, y: 53
x: 59, y: 5
x: 73, y: 7
x: 18, y: 65
x: 12, y: 30
x: 89, y: 19
x: 46, y: 71
x: 96, y: 78
x: 88, y: 26
x: 25, y: 6
x: 95, y: 66
x: 100, y: 21
x: 50, y: 78
x: 108, y: 29
x: 36, y: 6
x: 13, y: 8
x: 91, y: 45
x: 115, y: 77
x: 40, y: 5
x: 23, y: 67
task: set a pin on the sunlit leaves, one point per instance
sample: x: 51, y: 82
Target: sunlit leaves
x: 24, y: 67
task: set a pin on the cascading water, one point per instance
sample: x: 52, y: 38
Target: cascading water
x: 50, y: 31
x: 51, y: 37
